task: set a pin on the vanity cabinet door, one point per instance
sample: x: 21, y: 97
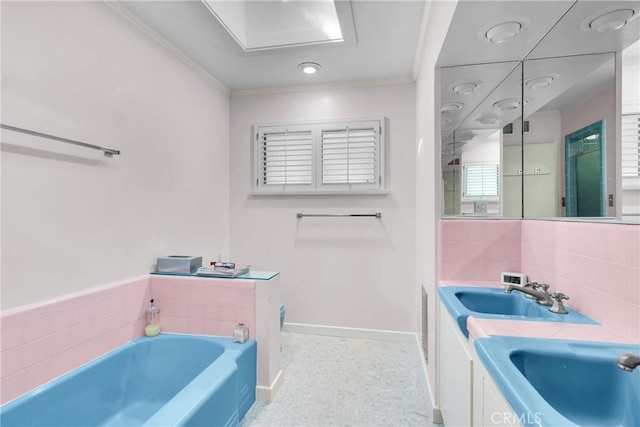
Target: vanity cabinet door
x: 490, y: 407
x: 456, y: 368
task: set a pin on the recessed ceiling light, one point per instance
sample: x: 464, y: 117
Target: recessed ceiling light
x: 540, y: 82
x: 465, y: 88
x: 451, y: 106
x: 509, y: 104
x: 611, y: 21
x: 503, y: 32
x: 309, y: 67
x: 464, y: 137
x: 488, y: 119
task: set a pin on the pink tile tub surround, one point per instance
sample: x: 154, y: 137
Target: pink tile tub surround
x: 196, y: 305
x: 477, y: 251
x: 42, y: 341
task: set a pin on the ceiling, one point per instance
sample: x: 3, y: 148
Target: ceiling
x: 381, y: 45
x: 581, y: 60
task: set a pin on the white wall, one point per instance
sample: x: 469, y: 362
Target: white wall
x: 349, y: 272
x: 71, y: 218
x: 427, y: 185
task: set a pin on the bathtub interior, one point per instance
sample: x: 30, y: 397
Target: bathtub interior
x: 132, y: 383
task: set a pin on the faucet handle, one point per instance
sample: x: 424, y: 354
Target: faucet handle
x: 557, y: 306
x: 558, y: 296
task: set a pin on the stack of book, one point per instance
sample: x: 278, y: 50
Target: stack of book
x: 224, y: 269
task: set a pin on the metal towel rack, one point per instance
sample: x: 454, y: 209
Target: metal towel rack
x: 372, y: 215
x: 109, y: 152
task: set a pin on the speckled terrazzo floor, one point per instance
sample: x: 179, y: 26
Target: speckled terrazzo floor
x: 330, y: 381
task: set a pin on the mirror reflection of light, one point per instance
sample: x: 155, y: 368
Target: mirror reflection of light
x: 591, y: 137
x: 611, y: 21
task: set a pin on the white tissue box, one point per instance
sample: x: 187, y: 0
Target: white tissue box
x: 179, y: 264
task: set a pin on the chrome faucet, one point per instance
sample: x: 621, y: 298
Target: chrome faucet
x: 535, y: 286
x: 542, y: 297
x: 628, y: 362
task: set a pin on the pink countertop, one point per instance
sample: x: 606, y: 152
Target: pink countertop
x: 483, y: 328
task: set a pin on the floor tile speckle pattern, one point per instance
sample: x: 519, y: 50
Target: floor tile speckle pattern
x: 331, y: 381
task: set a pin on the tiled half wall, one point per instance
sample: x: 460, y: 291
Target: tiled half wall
x: 596, y: 264
x: 40, y: 342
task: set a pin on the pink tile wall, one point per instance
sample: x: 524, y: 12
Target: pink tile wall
x: 477, y: 251
x: 597, y: 265
x: 208, y: 306
x: 43, y: 341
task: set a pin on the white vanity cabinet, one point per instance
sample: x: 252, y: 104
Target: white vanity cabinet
x: 455, y: 367
x: 468, y: 396
x: 490, y: 408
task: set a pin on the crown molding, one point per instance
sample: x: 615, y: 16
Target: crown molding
x: 324, y: 86
x: 133, y: 19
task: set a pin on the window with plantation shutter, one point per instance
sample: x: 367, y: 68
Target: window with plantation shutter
x: 320, y: 157
x: 630, y: 146
x: 350, y: 155
x: 481, y: 180
x: 284, y: 157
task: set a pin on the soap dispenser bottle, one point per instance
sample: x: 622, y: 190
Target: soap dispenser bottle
x: 240, y: 333
x: 152, y: 321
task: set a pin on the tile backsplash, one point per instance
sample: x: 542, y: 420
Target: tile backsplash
x: 477, y: 251
x: 196, y: 305
x: 596, y: 264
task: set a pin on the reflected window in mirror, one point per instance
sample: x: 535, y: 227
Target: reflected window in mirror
x: 630, y: 138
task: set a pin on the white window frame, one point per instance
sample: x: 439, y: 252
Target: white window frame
x: 489, y: 198
x: 317, y: 186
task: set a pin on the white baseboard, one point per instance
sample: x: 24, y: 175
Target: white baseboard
x: 437, y: 416
x: 337, y: 331
x: 267, y: 394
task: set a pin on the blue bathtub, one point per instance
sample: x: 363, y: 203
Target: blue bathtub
x: 167, y: 380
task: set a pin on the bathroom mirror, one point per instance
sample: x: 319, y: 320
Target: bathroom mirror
x: 557, y: 115
x: 478, y: 101
x: 569, y: 142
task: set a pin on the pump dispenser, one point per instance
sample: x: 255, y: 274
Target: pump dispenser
x: 152, y: 321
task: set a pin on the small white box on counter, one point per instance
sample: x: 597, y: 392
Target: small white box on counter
x: 179, y: 264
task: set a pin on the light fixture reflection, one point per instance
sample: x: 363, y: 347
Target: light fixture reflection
x: 611, y: 21
x: 503, y: 32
